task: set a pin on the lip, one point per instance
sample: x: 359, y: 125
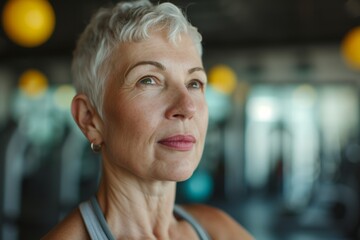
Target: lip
x: 179, y: 142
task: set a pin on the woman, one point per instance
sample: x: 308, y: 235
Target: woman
x: 141, y: 104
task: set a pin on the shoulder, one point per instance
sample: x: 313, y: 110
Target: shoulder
x: 72, y: 227
x: 217, y: 223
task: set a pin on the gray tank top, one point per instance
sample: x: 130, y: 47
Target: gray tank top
x: 98, y: 229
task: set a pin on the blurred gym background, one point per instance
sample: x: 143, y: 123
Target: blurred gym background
x: 282, y: 154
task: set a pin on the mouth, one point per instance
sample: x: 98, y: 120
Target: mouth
x: 179, y: 142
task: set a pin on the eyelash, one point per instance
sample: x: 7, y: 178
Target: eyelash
x: 201, y: 84
x: 189, y: 85
x: 141, y: 81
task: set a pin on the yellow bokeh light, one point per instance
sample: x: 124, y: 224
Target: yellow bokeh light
x: 351, y: 48
x: 29, y: 23
x: 33, y: 83
x: 223, y: 79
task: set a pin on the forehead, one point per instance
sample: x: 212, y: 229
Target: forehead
x: 159, y: 48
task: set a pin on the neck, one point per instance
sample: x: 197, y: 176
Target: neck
x: 135, y: 208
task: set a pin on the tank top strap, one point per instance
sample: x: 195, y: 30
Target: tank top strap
x: 94, y: 220
x: 180, y: 212
x: 98, y: 229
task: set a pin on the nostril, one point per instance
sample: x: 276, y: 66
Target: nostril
x: 182, y: 105
x: 180, y: 112
x: 179, y: 116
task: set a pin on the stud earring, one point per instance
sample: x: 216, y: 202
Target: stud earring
x: 96, y: 148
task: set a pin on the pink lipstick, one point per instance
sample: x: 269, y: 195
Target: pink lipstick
x: 179, y: 142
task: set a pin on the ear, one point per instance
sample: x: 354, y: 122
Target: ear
x: 87, y: 118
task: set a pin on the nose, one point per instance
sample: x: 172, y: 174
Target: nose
x: 182, y: 105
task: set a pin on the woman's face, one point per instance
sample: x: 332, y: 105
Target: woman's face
x: 155, y: 113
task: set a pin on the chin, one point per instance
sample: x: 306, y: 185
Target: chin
x: 183, y: 177
x: 181, y: 174
x: 178, y: 169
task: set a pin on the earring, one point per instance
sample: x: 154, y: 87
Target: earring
x: 95, y: 147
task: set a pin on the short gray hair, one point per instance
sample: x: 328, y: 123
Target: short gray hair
x: 124, y: 22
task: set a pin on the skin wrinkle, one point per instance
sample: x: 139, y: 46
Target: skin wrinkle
x: 148, y: 179
x: 155, y: 64
x: 159, y: 66
x: 140, y: 170
x: 147, y: 66
x: 121, y: 195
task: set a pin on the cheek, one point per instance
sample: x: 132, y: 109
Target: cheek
x: 133, y: 122
x: 126, y: 136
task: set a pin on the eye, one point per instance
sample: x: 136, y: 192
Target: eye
x: 196, y: 84
x: 147, y: 80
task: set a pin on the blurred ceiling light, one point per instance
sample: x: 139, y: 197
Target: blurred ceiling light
x: 351, y: 47
x: 264, y: 109
x: 28, y: 23
x: 33, y: 83
x: 223, y: 79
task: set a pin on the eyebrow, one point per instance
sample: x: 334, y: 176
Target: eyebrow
x: 156, y: 64
x: 159, y: 66
x: 192, y: 70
